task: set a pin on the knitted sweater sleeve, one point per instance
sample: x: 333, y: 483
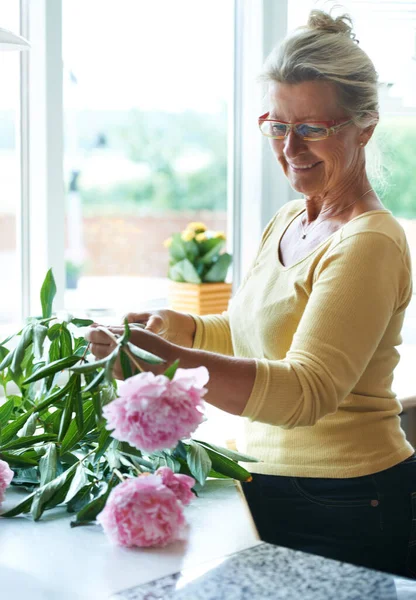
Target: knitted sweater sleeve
x: 358, y: 287
x: 213, y: 331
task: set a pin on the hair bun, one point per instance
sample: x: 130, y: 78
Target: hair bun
x: 320, y: 20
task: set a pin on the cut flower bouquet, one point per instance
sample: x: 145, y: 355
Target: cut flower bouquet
x: 120, y: 454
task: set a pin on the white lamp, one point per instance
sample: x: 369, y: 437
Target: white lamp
x: 11, y: 41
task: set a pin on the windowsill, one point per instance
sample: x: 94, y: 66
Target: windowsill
x: 113, y: 297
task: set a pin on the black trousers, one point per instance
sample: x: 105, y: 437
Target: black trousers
x: 368, y: 521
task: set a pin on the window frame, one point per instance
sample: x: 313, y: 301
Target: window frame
x: 252, y: 179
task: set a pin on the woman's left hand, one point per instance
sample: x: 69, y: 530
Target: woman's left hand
x: 101, y: 345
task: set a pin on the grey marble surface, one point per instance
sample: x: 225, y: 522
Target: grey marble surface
x: 273, y: 572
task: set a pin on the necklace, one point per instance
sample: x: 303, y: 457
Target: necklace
x: 305, y: 233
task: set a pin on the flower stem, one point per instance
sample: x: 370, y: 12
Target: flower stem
x: 125, y: 348
x: 119, y: 475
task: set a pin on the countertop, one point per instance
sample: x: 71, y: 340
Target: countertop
x: 267, y: 572
x: 221, y: 560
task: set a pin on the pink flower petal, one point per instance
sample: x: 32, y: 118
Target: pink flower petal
x: 143, y: 512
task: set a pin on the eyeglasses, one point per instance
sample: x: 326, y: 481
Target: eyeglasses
x: 311, y: 132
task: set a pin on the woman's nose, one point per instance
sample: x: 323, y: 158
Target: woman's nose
x: 293, y: 145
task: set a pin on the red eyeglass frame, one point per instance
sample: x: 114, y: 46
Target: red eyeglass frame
x: 331, y: 126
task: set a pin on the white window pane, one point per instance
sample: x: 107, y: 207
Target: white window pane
x: 146, y: 101
x: 9, y: 172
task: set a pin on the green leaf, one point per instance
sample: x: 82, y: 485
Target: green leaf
x: 54, y: 351
x: 12, y: 428
x: 78, y: 482
x: 73, y: 435
x: 6, y: 411
x: 74, y: 390
x: 59, y: 496
x: 90, y: 511
x: 104, y: 441
x: 177, y: 248
x: 125, y: 364
x: 10, y: 337
x: 218, y: 271
x: 6, y: 357
x: 26, y: 476
x: 96, y: 402
x: 22, y: 507
x: 89, y: 367
x: 39, y: 335
x: 199, y: 462
x: 27, y: 441
x: 79, y: 408
x: 47, y: 294
x: 51, y: 423
x: 211, y: 250
x: 52, y: 368
x: 29, y: 427
x: 145, y: 356
x: 19, y: 353
x: 94, y: 382
x: 184, y: 271
x: 54, y: 331
x: 170, y: 371
x: 17, y: 460
x: 48, y: 465
x: 228, y: 453
x: 45, y: 494
x: 81, y: 499
x: 81, y: 322
x: 192, y: 250
x: 108, y: 371
x: 80, y: 347
x: 226, y: 466
x: 126, y: 334
x: 66, y: 342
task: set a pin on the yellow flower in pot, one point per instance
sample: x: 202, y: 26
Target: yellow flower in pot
x: 198, y: 267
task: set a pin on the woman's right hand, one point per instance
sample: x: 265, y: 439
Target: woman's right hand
x: 175, y: 327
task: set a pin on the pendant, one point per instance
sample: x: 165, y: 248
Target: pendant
x: 304, y: 236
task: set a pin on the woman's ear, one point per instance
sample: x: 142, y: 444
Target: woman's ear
x: 368, y: 131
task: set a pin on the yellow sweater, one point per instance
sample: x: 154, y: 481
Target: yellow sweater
x: 324, y: 333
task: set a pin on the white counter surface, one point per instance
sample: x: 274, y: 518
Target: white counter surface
x: 48, y: 560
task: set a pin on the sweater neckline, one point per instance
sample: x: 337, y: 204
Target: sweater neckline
x: 326, y: 240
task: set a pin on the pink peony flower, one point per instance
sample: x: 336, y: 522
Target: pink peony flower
x: 154, y: 413
x: 143, y: 512
x: 179, y: 484
x: 6, y: 475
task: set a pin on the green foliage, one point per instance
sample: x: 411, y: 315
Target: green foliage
x: 166, y: 144
x: 396, y: 137
x: 195, y: 255
x: 53, y: 435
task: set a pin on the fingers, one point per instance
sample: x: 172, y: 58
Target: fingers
x: 100, y: 351
x: 97, y: 336
x: 154, y: 324
x: 137, y: 317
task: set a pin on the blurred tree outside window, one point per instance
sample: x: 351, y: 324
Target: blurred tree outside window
x: 146, y: 105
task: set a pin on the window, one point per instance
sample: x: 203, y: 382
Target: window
x: 9, y: 172
x: 146, y: 103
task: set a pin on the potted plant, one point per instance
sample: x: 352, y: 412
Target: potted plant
x: 198, y: 268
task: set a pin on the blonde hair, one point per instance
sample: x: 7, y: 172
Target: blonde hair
x: 326, y: 49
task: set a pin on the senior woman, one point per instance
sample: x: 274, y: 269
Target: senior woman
x: 307, y: 350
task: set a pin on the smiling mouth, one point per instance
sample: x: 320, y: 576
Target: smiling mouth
x: 300, y: 168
